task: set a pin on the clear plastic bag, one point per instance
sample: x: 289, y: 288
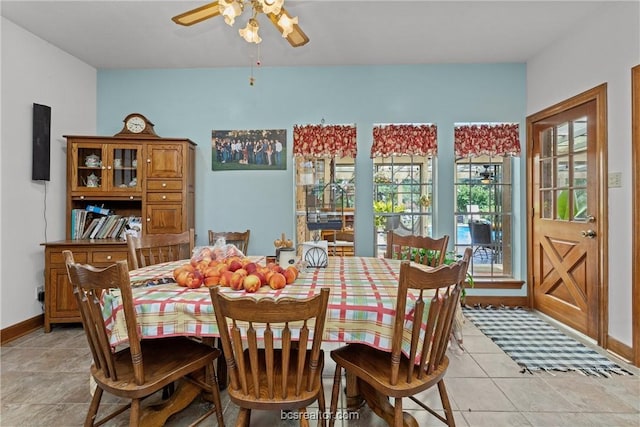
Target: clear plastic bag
x: 221, y: 250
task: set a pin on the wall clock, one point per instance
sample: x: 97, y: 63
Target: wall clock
x: 135, y: 124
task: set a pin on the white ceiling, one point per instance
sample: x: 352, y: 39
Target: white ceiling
x: 140, y: 34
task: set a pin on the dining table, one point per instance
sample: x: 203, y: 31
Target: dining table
x: 361, y: 305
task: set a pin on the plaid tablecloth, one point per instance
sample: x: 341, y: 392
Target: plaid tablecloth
x: 361, y: 302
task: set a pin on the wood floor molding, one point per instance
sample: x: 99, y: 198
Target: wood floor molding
x: 620, y: 348
x: 19, y: 329
x: 498, y: 284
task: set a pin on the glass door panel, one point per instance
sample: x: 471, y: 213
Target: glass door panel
x: 89, y: 172
x: 124, y: 168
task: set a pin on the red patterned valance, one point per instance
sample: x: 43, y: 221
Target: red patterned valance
x: 404, y: 140
x: 487, y: 139
x: 325, y: 140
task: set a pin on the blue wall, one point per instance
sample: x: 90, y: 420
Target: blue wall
x: 191, y: 103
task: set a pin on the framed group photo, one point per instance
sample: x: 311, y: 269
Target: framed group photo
x: 264, y: 149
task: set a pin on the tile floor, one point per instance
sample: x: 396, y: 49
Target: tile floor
x: 43, y: 382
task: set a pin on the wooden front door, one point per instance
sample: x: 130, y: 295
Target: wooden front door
x: 566, y: 239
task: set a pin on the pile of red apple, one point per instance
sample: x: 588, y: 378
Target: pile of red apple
x: 238, y: 273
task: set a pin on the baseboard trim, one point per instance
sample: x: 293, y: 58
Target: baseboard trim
x: 620, y: 348
x: 497, y: 301
x: 20, y: 329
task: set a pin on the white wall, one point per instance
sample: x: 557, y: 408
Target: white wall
x: 34, y: 71
x: 603, y: 49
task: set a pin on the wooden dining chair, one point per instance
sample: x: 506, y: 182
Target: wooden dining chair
x: 157, y: 248
x: 333, y: 236
x: 144, y: 367
x: 423, y: 249
x: 285, y: 371
x: 238, y: 238
x: 418, y: 359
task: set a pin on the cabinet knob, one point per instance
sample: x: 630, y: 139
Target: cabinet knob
x: 148, y: 219
x: 109, y: 257
x: 130, y: 197
x: 148, y: 160
x: 109, y: 167
x: 164, y: 197
x: 81, y: 197
x: 164, y: 184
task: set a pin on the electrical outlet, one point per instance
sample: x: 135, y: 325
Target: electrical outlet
x: 40, y: 293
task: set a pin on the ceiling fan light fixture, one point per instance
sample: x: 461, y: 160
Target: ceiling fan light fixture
x: 250, y: 32
x: 271, y: 6
x: 230, y: 10
x: 286, y: 24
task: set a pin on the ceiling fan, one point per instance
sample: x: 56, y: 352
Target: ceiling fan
x: 486, y: 175
x: 230, y: 9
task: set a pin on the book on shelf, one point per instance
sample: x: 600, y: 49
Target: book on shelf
x: 105, y: 227
x: 108, y: 227
x: 119, y: 229
x: 98, y: 227
x: 113, y: 222
x: 90, y: 227
x: 78, y: 223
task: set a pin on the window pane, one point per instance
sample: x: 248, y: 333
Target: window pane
x: 562, y: 143
x: 319, y: 201
x: 580, y: 169
x: 483, y: 214
x: 546, y: 149
x: 547, y: 204
x: 580, y: 134
x: 403, y: 192
x: 562, y: 172
x: 546, y: 180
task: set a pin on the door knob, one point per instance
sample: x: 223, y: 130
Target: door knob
x: 589, y: 233
x: 590, y: 218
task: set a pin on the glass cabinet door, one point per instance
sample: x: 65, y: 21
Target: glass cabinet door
x: 88, y: 174
x: 102, y: 168
x: 123, y: 168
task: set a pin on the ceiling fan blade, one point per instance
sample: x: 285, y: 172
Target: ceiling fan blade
x: 297, y: 37
x: 197, y: 15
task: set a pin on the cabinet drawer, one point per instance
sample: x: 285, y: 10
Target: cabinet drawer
x: 108, y: 256
x: 164, y: 197
x: 78, y: 257
x: 163, y: 184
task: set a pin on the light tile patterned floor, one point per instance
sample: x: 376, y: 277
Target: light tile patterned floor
x: 44, y: 382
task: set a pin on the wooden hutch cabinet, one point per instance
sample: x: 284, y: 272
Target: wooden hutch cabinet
x: 130, y: 174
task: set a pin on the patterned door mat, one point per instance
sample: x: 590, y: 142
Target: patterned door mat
x: 536, y: 345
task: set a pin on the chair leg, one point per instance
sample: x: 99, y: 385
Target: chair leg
x: 335, y: 393
x: 212, y: 380
x: 398, y: 417
x: 134, y: 416
x: 444, y: 397
x: 244, y: 418
x: 322, y: 406
x: 304, y: 419
x: 93, y: 408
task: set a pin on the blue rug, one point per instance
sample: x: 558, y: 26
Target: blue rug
x: 536, y: 345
